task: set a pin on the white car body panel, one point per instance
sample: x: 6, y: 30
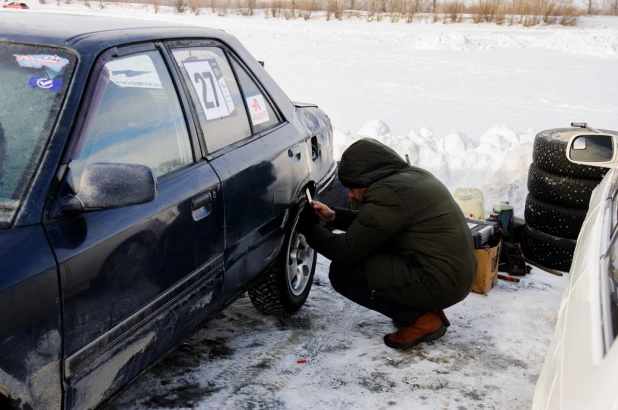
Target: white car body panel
x: 578, y: 372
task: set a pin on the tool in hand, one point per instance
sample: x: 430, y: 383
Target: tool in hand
x: 308, y: 193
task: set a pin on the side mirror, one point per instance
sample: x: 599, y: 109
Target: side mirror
x: 111, y: 185
x: 593, y: 149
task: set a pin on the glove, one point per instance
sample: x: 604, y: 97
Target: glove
x: 307, y: 219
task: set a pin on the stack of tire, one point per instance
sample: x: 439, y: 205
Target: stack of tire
x: 558, y: 198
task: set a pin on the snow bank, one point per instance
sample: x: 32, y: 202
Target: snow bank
x: 598, y: 43
x: 497, y: 163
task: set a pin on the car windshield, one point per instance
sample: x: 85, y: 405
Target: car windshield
x: 34, y: 81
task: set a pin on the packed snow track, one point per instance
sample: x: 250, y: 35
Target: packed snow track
x: 490, y: 357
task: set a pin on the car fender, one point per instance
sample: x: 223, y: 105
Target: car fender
x: 575, y: 368
x: 320, y: 142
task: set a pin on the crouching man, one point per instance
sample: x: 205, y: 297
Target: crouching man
x: 407, y: 253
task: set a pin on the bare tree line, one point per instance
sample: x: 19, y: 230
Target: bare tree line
x: 524, y: 12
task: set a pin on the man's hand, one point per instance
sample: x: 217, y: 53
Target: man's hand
x: 324, y: 212
x: 308, y: 217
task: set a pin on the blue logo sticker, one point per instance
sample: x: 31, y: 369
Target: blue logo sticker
x: 42, y: 60
x: 45, y: 83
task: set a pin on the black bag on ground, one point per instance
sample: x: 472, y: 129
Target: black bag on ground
x: 512, y: 260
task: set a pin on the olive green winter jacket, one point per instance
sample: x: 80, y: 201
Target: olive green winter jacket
x: 409, y: 232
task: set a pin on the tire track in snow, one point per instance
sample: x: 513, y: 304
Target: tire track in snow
x: 254, y: 394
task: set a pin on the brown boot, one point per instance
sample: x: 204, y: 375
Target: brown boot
x: 427, y: 328
x: 442, y: 316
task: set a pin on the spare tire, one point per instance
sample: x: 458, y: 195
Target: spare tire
x: 553, y: 219
x: 549, y: 153
x: 559, y: 189
x: 547, y: 250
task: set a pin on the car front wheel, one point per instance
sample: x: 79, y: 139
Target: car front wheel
x: 286, y: 282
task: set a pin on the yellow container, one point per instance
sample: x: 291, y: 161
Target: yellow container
x: 471, y: 202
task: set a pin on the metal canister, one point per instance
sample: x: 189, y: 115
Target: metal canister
x: 506, y: 216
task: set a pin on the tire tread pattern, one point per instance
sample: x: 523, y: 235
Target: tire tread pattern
x: 553, y: 219
x: 265, y: 294
x: 547, y: 250
x: 559, y: 189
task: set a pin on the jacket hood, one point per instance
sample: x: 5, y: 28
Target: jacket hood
x: 368, y: 161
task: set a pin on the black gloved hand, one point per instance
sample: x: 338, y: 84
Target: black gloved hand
x: 307, y: 219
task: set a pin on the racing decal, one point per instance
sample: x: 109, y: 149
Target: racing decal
x: 45, y: 83
x: 210, y: 87
x: 134, y: 72
x: 53, y: 62
x: 257, y: 108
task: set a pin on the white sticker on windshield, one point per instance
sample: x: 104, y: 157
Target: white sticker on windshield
x: 134, y: 71
x: 53, y: 62
x: 257, y: 108
x: 211, y: 88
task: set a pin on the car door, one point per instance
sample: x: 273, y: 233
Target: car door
x: 257, y: 156
x: 581, y: 355
x: 608, y: 371
x: 133, y: 280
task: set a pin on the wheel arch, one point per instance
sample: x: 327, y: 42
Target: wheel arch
x: 299, y: 193
x: 270, y: 292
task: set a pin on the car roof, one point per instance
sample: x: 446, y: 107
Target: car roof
x: 86, y: 32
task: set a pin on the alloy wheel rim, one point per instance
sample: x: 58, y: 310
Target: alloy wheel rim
x: 300, y: 264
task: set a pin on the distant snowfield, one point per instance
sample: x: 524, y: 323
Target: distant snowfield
x: 463, y: 101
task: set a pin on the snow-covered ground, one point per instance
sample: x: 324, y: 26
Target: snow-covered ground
x: 463, y: 101
x: 490, y: 357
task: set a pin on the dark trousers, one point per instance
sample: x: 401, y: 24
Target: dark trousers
x: 351, y: 282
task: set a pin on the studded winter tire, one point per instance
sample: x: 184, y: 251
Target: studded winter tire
x: 285, y: 284
x: 553, y: 219
x: 547, y: 250
x: 549, y: 154
x: 559, y: 189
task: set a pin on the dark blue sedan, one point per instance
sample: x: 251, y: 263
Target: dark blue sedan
x: 149, y: 175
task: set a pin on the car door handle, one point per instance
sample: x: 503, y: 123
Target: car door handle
x: 200, y: 201
x: 294, y: 151
x: 316, y: 148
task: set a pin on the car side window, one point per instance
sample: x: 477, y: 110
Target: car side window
x: 215, y: 93
x: 261, y: 113
x: 138, y: 118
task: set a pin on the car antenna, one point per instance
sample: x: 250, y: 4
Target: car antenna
x: 584, y: 125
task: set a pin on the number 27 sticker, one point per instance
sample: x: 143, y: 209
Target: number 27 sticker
x: 211, y: 88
